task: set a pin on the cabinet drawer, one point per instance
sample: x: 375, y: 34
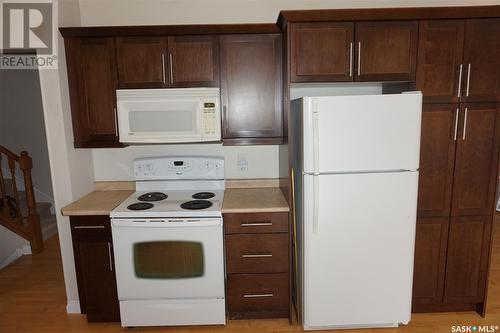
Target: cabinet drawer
x: 254, y: 223
x: 257, y: 253
x: 90, y: 226
x: 257, y: 292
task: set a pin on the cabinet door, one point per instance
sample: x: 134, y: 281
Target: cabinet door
x: 476, y: 160
x: 439, y: 64
x: 467, y: 260
x: 322, y: 51
x: 430, y: 259
x: 194, y: 61
x: 482, y: 60
x: 142, y: 62
x: 93, y: 82
x: 96, y: 266
x: 386, y: 50
x: 437, y: 158
x: 251, y: 88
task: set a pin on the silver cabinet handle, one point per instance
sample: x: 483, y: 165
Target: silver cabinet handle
x: 171, y: 68
x: 456, y: 124
x: 468, y: 80
x: 109, y: 256
x: 350, y: 59
x: 163, y: 68
x: 359, y: 58
x: 258, y: 295
x: 257, y: 224
x: 465, y: 123
x: 460, y: 81
x: 249, y: 255
x: 89, y: 227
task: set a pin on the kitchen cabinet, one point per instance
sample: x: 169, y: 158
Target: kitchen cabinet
x: 437, y: 159
x: 458, y: 167
x: 481, y: 60
x: 257, y: 264
x: 322, y: 51
x: 386, y: 50
x: 94, y: 264
x: 251, y: 89
x: 459, y: 60
x: 348, y: 51
x: 467, y: 259
x: 439, y: 64
x: 92, y: 78
x: 168, y: 62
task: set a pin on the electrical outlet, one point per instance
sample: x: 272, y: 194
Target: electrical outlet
x: 242, y: 162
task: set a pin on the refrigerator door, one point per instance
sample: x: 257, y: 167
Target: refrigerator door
x: 348, y: 134
x: 358, y: 254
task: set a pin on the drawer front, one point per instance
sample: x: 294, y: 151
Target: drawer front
x: 253, y: 223
x: 257, y: 253
x: 257, y: 292
x: 90, y: 226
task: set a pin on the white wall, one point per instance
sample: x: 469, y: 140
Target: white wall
x: 117, y: 164
x: 12, y: 246
x: 72, y: 170
x: 22, y: 126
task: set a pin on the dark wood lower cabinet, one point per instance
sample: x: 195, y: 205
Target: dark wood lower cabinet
x: 94, y: 263
x: 258, y: 265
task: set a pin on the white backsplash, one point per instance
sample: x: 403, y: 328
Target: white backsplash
x: 116, y: 164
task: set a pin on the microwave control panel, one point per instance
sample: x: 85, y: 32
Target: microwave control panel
x: 210, y: 116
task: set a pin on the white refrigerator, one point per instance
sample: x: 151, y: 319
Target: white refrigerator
x: 355, y: 177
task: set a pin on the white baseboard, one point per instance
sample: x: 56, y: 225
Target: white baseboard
x: 24, y: 250
x: 73, y: 307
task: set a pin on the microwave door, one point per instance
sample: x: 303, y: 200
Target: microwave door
x: 160, y: 121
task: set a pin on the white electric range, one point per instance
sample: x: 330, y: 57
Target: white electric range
x: 168, y: 243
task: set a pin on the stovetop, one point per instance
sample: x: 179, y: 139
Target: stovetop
x: 171, y: 203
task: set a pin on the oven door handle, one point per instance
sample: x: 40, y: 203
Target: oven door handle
x: 166, y: 223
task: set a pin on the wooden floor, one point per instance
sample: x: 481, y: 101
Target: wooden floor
x: 32, y: 300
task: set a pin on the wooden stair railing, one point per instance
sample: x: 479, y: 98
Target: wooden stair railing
x: 27, y: 226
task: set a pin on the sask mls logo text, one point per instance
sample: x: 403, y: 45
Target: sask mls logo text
x: 28, y: 34
x: 474, y: 328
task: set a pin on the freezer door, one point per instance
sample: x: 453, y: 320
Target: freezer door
x: 358, y: 261
x: 362, y: 133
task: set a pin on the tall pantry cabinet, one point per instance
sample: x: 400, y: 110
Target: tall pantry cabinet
x: 458, y: 71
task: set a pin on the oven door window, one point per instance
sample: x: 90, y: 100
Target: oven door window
x: 168, y: 260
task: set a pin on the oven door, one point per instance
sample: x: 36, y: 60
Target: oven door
x: 168, y: 259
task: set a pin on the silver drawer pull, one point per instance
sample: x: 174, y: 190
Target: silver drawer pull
x: 89, y: 227
x: 267, y: 255
x: 257, y: 224
x: 258, y: 295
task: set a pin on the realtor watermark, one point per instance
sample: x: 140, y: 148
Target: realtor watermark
x: 28, y: 34
x: 474, y: 328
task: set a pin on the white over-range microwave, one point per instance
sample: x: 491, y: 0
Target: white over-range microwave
x: 169, y: 115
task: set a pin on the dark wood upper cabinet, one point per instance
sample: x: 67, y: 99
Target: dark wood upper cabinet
x: 467, y: 260
x: 482, y: 60
x: 142, y: 62
x: 251, y: 89
x: 194, y: 61
x: 91, y: 65
x: 439, y: 62
x: 437, y: 159
x: 322, y: 51
x: 476, y: 160
x: 430, y: 257
x: 386, y: 50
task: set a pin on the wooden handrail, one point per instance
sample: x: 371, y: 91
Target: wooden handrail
x: 28, y: 226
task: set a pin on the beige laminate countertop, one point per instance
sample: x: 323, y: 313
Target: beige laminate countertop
x: 254, y: 200
x: 236, y: 200
x: 96, y: 203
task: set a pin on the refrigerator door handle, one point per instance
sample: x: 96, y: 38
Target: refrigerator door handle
x: 316, y: 204
x: 316, y: 143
